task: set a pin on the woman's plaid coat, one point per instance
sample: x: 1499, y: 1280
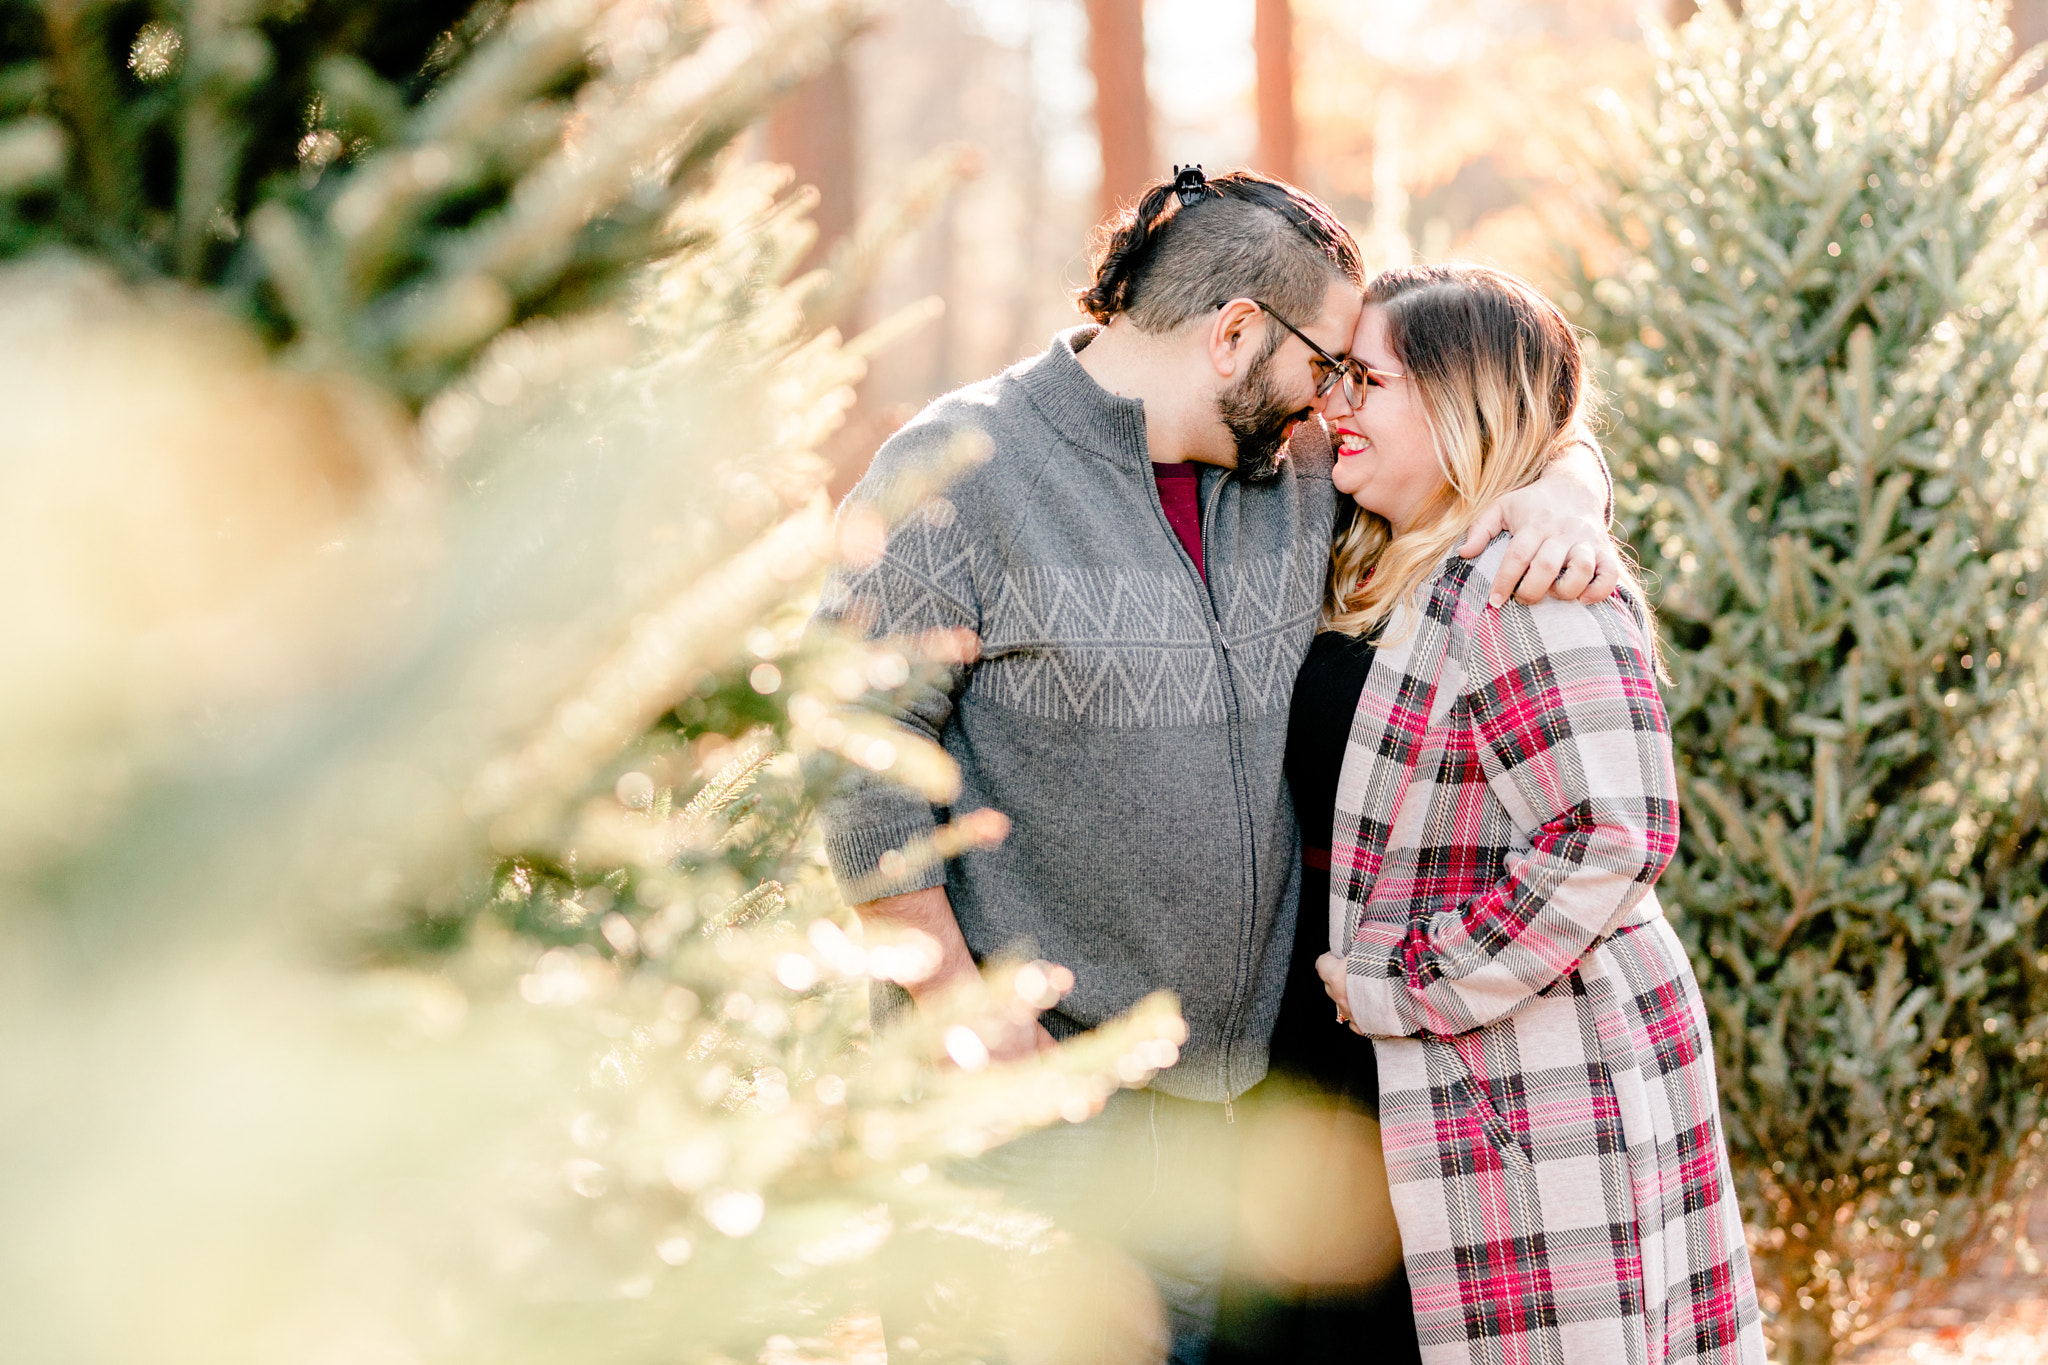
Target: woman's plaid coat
x: 1547, y: 1094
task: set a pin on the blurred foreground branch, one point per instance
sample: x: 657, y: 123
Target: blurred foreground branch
x: 416, y: 944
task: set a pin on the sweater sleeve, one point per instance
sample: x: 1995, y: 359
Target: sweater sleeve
x: 923, y: 581
x: 1570, y: 736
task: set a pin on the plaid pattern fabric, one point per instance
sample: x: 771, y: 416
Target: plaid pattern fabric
x: 1547, y: 1095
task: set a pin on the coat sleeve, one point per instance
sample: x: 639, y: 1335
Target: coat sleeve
x: 922, y: 581
x: 1561, y: 720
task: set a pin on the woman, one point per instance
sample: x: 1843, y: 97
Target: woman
x: 1507, y: 798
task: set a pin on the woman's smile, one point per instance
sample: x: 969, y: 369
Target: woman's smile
x: 1404, y: 474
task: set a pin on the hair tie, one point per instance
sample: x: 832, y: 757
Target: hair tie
x: 1189, y: 184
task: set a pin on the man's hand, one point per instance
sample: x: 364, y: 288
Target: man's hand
x: 1020, y: 1041
x: 1561, y: 546
x: 929, y: 914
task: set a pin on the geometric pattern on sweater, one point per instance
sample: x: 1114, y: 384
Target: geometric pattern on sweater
x: 1110, y: 646
x: 1122, y: 647
x: 924, y: 582
x: 1266, y: 647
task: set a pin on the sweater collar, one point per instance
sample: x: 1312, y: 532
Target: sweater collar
x: 1082, y: 411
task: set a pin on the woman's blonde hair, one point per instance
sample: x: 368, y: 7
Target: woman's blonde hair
x: 1502, y: 384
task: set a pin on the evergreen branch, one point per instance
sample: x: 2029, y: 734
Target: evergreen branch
x: 292, y: 263
x: 524, y: 246
x: 86, y: 89
x: 223, y: 61
x: 33, y: 150
x: 727, y: 785
x: 532, y: 50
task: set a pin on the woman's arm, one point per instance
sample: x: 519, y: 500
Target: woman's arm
x: 1569, y: 736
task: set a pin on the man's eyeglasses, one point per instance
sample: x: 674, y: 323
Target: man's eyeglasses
x: 1330, y: 370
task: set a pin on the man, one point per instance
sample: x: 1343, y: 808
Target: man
x: 1142, y: 559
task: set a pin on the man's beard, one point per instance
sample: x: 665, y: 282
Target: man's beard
x: 1259, y: 421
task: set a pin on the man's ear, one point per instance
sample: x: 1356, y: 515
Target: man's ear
x: 1233, y: 336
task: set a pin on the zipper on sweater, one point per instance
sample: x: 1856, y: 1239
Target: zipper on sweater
x: 1248, y: 884
x: 1249, y: 878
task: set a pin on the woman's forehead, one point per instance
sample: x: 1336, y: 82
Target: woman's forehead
x: 1369, y: 341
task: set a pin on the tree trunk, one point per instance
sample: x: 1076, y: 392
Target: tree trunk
x: 1024, y: 336
x: 1808, y: 1337
x: 1123, y: 112
x: 1273, y: 43
x: 813, y: 130
x: 2028, y: 20
x: 954, y: 55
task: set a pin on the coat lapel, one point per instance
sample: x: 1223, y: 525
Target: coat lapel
x: 1387, y: 732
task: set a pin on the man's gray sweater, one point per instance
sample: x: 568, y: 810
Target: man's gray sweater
x: 1128, y: 717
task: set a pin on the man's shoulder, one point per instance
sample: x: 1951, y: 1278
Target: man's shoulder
x: 1302, y: 496
x: 985, y: 431
x: 1310, y: 456
x: 973, y: 409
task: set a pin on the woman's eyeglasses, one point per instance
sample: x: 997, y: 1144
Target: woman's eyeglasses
x: 1330, y: 370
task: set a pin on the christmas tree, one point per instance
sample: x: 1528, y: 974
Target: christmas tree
x: 1824, y: 331
x: 417, y: 948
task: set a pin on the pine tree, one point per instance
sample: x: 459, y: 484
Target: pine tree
x: 380, y: 186
x: 1824, y: 333
x: 417, y: 947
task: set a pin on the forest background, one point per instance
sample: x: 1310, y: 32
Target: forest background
x: 422, y: 426
x: 1433, y: 128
